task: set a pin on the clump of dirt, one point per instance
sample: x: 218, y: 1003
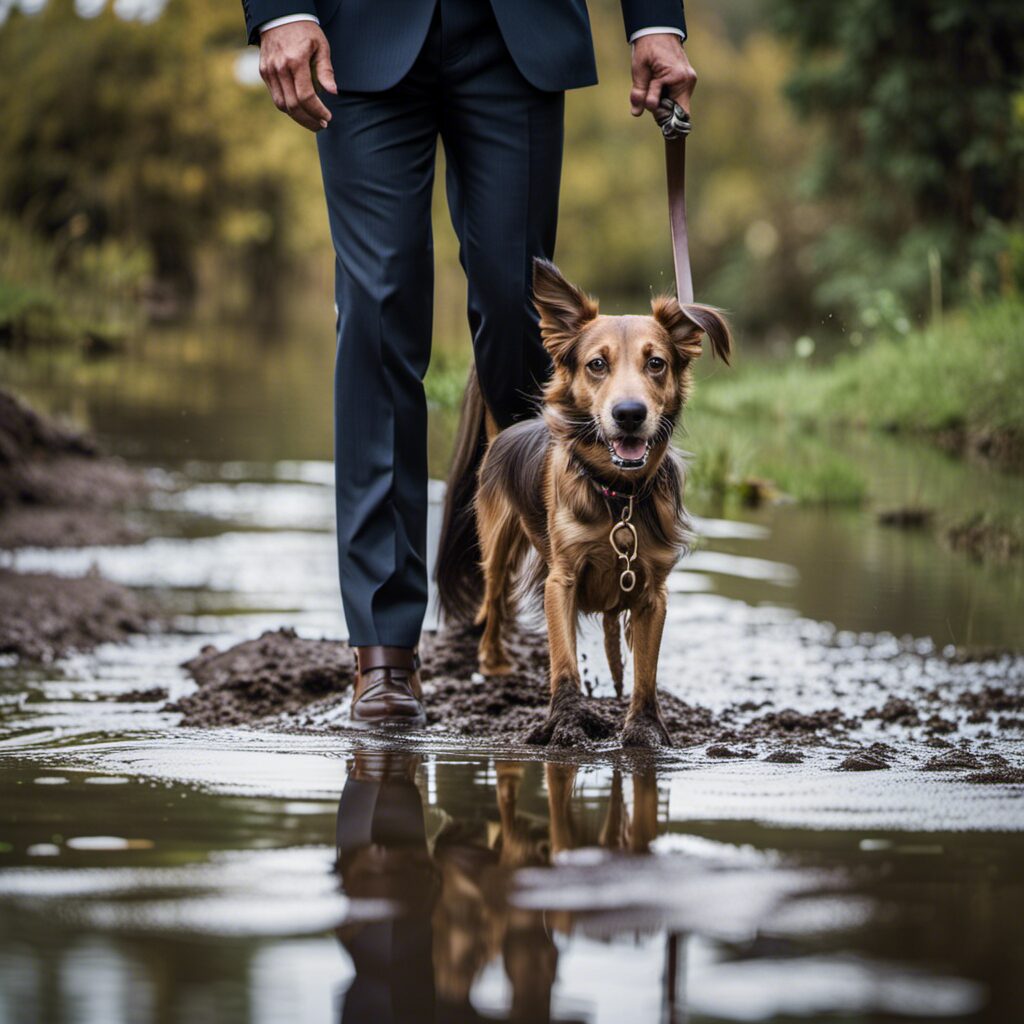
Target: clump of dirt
x: 43, y: 617
x: 721, y: 750
x: 909, y: 517
x: 785, y: 757
x: 896, y: 710
x: 150, y: 695
x: 983, y: 540
x: 788, y: 722
x: 871, y: 759
x: 991, y: 698
x: 277, y: 673
x: 1008, y: 775
x: 954, y: 759
x: 56, y: 486
x: 936, y: 724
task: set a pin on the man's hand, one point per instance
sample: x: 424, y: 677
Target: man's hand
x: 289, y: 54
x: 660, y: 64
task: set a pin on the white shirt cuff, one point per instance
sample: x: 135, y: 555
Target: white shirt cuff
x: 656, y: 30
x: 287, y: 20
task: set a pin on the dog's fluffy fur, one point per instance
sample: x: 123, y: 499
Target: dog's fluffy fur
x: 609, y: 411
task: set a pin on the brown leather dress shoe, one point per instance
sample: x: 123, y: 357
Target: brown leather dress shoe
x: 387, y: 689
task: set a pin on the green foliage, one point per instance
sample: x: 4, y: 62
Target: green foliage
x: 826, y: 480
x: 45, y: 297
x: 964, y: 374
x: 923, y: 159
x: 139, y: 134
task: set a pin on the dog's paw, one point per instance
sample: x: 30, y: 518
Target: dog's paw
x: 646, y: 730
x: 571, y: 723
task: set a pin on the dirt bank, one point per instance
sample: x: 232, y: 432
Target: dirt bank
x: 43, y: 617
x: 289, y: 682
x: 57, y: 488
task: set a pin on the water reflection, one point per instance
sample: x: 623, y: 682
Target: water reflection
x: 447, y: 890
x: 456, y: 887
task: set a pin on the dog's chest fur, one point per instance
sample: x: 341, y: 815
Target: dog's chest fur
x: 569, y: 522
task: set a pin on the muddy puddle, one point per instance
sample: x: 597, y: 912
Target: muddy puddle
x: 838, y: 833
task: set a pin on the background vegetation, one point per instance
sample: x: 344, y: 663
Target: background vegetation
x: 856, y: 193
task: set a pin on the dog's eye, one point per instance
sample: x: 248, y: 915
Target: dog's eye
x: 597, y: 365
x: 656, y: 364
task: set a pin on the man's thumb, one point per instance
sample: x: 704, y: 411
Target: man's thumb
x: 324, y: 70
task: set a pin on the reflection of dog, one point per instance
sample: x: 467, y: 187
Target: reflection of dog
x: 449, y: 913
x: 595, y: 487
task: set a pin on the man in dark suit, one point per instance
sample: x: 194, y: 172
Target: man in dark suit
x: 488, y: 77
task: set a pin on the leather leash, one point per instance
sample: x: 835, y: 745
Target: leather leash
x: 675, y: 126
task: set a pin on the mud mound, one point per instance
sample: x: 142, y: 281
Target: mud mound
x: 43, y: 617
x: 872, y: 759
x: 305, y: 684
x: 54, y: 481
x: 276, y: 674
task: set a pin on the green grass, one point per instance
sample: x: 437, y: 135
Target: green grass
x: 966, y: 374
x: 445, y: 382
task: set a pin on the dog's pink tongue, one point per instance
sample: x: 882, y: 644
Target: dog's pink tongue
x: 629, y: 448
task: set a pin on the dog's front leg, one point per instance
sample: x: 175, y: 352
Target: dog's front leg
x: 644, y: 725
x: 560, y: 611
x: 570, y: 723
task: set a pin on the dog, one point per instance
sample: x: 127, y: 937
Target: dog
x: 594, y: 486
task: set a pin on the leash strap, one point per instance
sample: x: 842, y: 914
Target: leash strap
x: 675, y: 126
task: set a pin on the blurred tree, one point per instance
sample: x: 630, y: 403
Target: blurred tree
x: 117, y: 129
x: 923, y: 160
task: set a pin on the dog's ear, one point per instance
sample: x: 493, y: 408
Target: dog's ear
x: 688, y: 323
x: 564, y: 309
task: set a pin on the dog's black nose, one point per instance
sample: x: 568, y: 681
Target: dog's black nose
x: 630, y: 414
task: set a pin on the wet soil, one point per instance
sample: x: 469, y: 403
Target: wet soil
x: 57, y: 487
x: 278, y: 673
x: 301, y: 684
x: 294, y: 679
x: 43, y: 617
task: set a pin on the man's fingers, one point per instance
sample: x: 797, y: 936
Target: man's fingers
x: 638, y: 94
x: 294, y: 108
x: 274, y: 87
x: 653, y: 96
x: 324, y: 69
x: 681, y: 89
x: 307, y: 97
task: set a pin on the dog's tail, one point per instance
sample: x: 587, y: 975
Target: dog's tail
x: 457, y: 568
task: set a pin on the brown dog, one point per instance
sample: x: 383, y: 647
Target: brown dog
x: 594, y: 486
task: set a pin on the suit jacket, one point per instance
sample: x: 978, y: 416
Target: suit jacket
x: 374, y: 42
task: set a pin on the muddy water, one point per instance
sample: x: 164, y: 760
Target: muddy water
x: 152, y: 872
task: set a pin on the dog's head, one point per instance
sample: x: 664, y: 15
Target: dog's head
x: 619, y: 382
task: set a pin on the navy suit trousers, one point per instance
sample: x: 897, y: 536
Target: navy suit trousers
x: 502, y: 140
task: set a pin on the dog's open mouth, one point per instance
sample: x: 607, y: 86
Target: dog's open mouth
x: 629, y: 452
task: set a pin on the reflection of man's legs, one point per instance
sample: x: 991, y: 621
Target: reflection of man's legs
x: 383, y: 856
